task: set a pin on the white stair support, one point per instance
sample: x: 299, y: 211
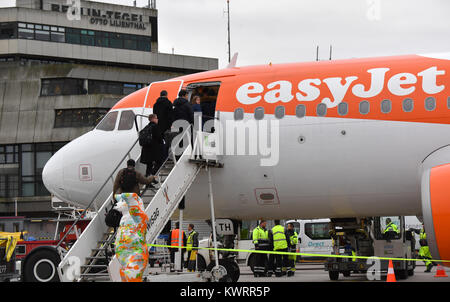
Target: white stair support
x: 166, y: 200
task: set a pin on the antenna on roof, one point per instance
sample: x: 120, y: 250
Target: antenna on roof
x: 229, y: 47
x: 331, y: 50
x: 317, y: 53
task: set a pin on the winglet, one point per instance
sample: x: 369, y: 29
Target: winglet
x: 233, y: 61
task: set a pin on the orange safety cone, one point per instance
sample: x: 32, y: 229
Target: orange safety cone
x: 440, y: 272
x: 391, y: 274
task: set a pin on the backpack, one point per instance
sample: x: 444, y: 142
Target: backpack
x: 145, y: 136
x: 112, y: 218
x: 128, y: 180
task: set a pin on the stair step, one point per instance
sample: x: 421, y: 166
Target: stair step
x: 93, y: 265
x: 95, y: 275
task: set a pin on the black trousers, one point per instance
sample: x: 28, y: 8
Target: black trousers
x: 153, y: 167
x: 172, y: 256
x: 280, y: 262
x: 260, y: 264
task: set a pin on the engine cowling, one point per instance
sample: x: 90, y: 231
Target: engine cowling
x: 435, y: 187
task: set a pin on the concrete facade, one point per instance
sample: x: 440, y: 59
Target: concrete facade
x: 27, y: 116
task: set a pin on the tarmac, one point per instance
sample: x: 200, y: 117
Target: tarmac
x: 306, y: 272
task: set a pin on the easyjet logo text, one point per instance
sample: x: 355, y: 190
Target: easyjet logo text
x: 400, y: 84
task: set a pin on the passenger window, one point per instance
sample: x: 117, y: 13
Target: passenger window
x: 321, y: 109
x: 448, y: 102
x: 408, y: 105
x: 259, y: 113
x: 300, y: 111
x: 364, y: 107
x: 386, y: 106
x: 343, y: 108
x: 430, y: 103
x: 279, y: 112
x: 238, y: 114
x: 126, y: 120
x: 109, y: 122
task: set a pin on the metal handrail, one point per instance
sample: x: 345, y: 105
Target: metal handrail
x: 162, y: 166
x: 98, y: 192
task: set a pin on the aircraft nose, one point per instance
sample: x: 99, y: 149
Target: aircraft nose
x: 53, y: 176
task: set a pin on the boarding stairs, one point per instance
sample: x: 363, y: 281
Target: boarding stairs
x: 94, y: 250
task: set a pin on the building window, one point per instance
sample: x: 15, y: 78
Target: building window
x: 86, y: 117
x: 8, y: 31
x: 116, y: 40
x: 33, y: 159
x: 58, y: 34
x: 62, y: 86
x: 73, y: 35
x: 87, y: 37
x: 25, y: 33
x: 9, y: 186
x: 42, y: 33
x: 9, y: 154
x: 70, y: 35
x: 118, y: 88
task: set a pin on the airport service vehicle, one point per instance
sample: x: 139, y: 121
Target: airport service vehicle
x: 313, y: 237
x: 344, y: 139
x: 368, y: 237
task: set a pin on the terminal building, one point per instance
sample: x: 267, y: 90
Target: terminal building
x: 60, y: 73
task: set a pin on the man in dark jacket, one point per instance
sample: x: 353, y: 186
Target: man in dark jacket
x: 163, y: 108
x: 152, y: 153
x: 140, y: 179
x: 182, y: 108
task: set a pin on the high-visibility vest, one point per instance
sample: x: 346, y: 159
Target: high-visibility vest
x: 294, y: 239
x: 260, y: 236
x: 391, y: 227
x: 279, y: 238
x: 190, y: 241
x: 423, y: 235
x: 174, y: 240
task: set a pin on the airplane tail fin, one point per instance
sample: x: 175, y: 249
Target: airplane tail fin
x: 233, y: 61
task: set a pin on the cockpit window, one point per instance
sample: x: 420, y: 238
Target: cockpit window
x: 126, y: 120
x: 109, y: 122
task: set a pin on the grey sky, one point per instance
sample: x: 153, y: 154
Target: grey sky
x: 281, y: 31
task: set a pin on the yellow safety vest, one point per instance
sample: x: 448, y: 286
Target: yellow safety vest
x: 279, y: 238
x: 260, y: 236
x: 391, y: 227
x: 423, y: 235
x: 190, y: 241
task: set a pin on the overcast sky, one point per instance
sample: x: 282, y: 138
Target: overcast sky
x: 281, y: 31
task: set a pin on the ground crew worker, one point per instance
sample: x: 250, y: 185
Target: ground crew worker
x: 424, y: 251
x: 292, y: 248
x: 390, y: 226
x: 173, y: 240
x: 191, y: 244
x: 278, y: 238
x: 261, y: 242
